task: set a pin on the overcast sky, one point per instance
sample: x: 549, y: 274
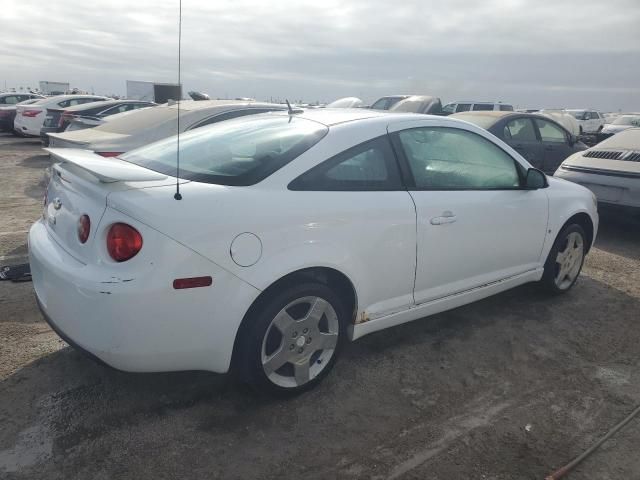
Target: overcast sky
x: 533, y: 53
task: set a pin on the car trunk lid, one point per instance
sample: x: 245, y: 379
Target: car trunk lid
x: 80, y: 185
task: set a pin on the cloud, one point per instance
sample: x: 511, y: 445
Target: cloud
x: 531, y: 53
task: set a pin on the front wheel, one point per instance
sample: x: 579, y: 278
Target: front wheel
x: 293, y: 340
x: 565, y: 259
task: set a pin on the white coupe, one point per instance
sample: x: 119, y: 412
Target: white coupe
x: 295, y: 232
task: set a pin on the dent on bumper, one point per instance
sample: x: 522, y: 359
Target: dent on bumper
x: 141, y: 324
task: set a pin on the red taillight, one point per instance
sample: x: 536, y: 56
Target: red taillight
x: 31, y: 113
x: 123, y: 242
x: 193, y: 282
x: 65, y: 117
x: 84, y: 227
x: 109, y: 154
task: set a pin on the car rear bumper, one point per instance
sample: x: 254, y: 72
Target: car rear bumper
x: 140, y: 324
x: 611, y: 188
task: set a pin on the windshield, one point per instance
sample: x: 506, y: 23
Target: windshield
x: 236, y: 152
x: 633, y: 120
x: 349, y: 102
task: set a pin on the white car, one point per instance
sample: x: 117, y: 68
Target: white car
x: 611, y: 169
x: 30, y: 118
x: 589, y: 121
x: 141, y: 127
x: 292, y: 233
x: 622, y: 122
x: 346, y: 102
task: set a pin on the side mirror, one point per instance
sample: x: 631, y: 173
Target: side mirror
x: 535, y: 179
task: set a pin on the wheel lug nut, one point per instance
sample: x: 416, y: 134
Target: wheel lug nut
x: 291, y: 347
x: 300, y: 350
x: 305, y: 330
x: 308, y: 339
x: 294, y: 334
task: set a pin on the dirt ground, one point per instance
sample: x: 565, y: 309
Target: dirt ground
x: 511, y: 387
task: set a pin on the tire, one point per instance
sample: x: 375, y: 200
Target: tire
x: 283, y: 339
x: 581, y: 131
x: 559, y: 277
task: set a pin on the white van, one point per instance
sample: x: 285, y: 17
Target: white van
x: 456, y: 107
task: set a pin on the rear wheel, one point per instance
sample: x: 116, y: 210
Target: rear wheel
x: 292, y: 342
x: 565, y: 259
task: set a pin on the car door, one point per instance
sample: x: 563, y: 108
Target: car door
x: 521, y: 135
x: 359, y: 194
x: 556, y: 144
x: 475, y: 224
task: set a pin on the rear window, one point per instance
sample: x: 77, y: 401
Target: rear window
x: 483, y: 107
x: 236, y: 152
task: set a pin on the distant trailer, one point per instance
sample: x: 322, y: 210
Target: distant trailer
x: 53, y: 88
x: 153, y: 92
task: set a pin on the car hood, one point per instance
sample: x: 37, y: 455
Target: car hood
x: 615, y: 128
x: 578, y: 160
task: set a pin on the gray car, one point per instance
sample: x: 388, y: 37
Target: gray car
x: 611, y: 169
x: 134, y: 129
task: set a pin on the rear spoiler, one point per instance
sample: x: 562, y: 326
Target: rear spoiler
x: 107, y: 170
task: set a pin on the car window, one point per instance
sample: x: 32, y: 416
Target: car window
x: 369, y: 166
x: 586, y: 116
x: 463, y: 107
x: 484, y: 107
x: 229, y: 115
x: 382, y: 104
x: 10, y: 99
x: 456, y: 159
x: 550, y: 132
x: 520, y: 130
x: 449, y: 108
x: 506, y: 108
x: 595, y: 115
x: 238, y: 152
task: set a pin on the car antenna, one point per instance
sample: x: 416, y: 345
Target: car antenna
x: 291, y: 112
x: 177, y: 195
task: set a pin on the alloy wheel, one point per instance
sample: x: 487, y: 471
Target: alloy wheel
x: 569, y: 260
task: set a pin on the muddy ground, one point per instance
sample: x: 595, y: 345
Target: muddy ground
x: 507, y: 388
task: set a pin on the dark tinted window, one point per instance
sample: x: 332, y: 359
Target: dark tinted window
x: 449, y: 108
x: 463, y: 107
x: 368, y: 166
x: 506, y: 108
x: 520, y: 130
x: 483, y: 106
x: 455, y: 159
x: 11, y: 99
x: 238, y: 152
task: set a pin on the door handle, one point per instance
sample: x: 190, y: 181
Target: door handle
x: 447, y: 217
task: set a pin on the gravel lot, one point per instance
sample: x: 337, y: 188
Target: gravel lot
x: 511, y: 387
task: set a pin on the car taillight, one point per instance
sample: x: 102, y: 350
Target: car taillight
x: 31, y: 113
x: 123, y: 242
x: 109, y: 154
x: 84, y: 227
x: 65, y: 117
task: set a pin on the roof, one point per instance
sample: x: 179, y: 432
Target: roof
x: 192, y: 105
x: 333, y: 116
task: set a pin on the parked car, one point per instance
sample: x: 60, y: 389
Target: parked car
x: 88, y: 115
x: 293, y: 233
x: 13, y: 98
x: 611, y: 169
x: 135, y: 129
x: 589, y: 121
x: 467, y: 106
x: 347, y: 102
x: 542, y: 141
x: 424, y: 104
x: 8, y: 114
x: 385, y: 103
x: 30, y: 118
x: 620, y: 123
